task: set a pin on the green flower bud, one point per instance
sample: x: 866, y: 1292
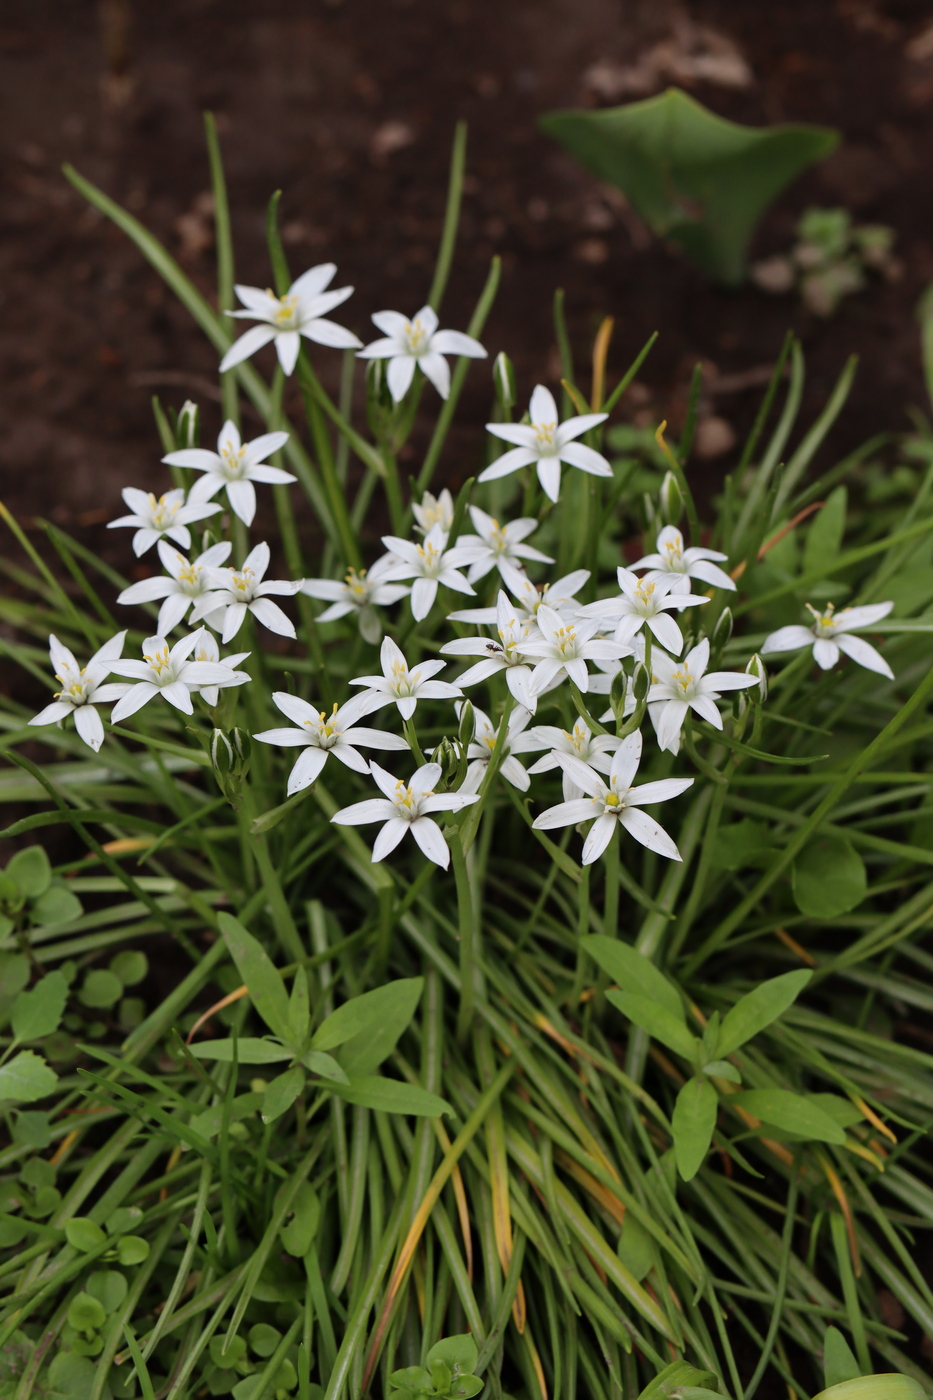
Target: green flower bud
x: 221, y: 751
x: 723, y: 630
x: 640, y: 682
x: 649, y: 514
x: 672, y: 501
x: 467, y: 724
x: 618, y: 693
x: 503, y: 378
x: 447, y: 754
x: 187, y: 429
x: 756, y: 668
x: 242, y: 746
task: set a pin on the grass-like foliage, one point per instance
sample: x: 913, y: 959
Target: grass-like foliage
x: 297, y: 1106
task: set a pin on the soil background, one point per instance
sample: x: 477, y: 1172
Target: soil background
x: 349, y: 108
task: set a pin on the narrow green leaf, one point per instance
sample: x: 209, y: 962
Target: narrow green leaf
x: 759, y: 1008
x: 392, y: 1008
x: 793, y: 1113
x: 657, y: 1021
x: 392, y: 1096
x: 319, y: 1062
x: 633, y: 971
x: 693, y: 1122
x: 839, y: 1363
x: 249, y: 1051
x: 364, y: 1013
x: 266, y: 987
x: 281, y: 1093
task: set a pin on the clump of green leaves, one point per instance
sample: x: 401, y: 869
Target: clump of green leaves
x: 831, y: 259
x: 447, y: 1373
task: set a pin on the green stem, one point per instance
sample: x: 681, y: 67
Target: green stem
x: 611, y: 894
x: 451, y: 217
x: 315, y: 397
x: 465, y: 933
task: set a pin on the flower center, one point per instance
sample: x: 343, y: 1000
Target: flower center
x: 407, y: 800
x: 416, y: 337
x: 544, y: 436
x: 613, y: 800
x: 285, y: 315
x: 683, y: 680
x: 160, y: 663
x: 431, y: 559
x: 825, y: 622
x: 402, y: 683
x: 232, y: 458
x: 498, y: 538
x: 644, y: 592
x: 328, y: 731
x: 189, y: 576
x: 74, y: 687
x: 243, y: 580
x: 161, y: 512
x: 357, y: 585
x: 674, y: 549
x: 565, y: 640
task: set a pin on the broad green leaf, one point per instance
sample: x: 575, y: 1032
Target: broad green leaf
x: 236, y: 1350
x: 263, y: 1339
x: 392, y: 1096
x: 759, y: 1008
x: 83, y: 1235
x: 672, y: 1378
x: 828, y: 878
x: 26, y: 1078
x: 86, y: 1313
x: 299, y: 1015
x: 721, y: 1069
x: 123, y: 1219
x: 109, y: 1288
x: 393, y: 1006
x: 250, y: 1051
x: 741, y: 844
x: 130, y: 967
x: 56, y: 906
x: 301, y: 1224
x: 890, y: 1386
x: 209, y: 1123
x: 839, y: 1363
x: 72, y: 1376
x: 794, y: 1113
x: 14, y: 974
x: 282, y: 1092
x: 365, y: 1013
x: 458, y: 1354
x: 636, y: 1248
x: 634, y: 972
x: 824, y: 537
x: 693, y: 1121
x: 132, y: 1249
x: 37, y: 1013
x: 266, y: 987
x: 100, y: 989
x: 696, y: 178
x: 840, y: 1110
x: 657, y: 1021
x: 31, y: 871
x: 318, y: 1062
x: 32, y: 1128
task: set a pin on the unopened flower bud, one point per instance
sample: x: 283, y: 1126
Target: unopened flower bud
x: 723, y: 629
x: 672, y: 501
x: 222, y: 755
x: 756, y: 668
x: 503, y: 378
x: 242, y: 747
x: 467, y: 724
x: 649, y: 514
x: 641, y: 680
x: 618, y: 693
x: 187, y: 427
x: 447, y: 754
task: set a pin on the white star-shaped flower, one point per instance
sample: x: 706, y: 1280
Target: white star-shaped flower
x: 362, y: 592
x: 235, y: 465
x: 479, y: 750
x: 168, y: 672
x: 429, y: 564
x: 154, y: 517
x: 546, y: 443
x: 682, y: 564
x: 406, y: 344
x: 579, y: 742
x: 207, y: 649
x: 82, y: 688
x: 561, y: 596
x: 679, y: 686
x: 187, y: 581
x: 238, y: 591
x: 300, y: 312
x: 564, y: 647
x: 407, y: 807
x: 616, y: 803
x: 504, y: 655
x: 496, y: 546
x: 829, y: 636
x: 434, y: 510
x: 399, y: 686
x: 645, y: 601
x: 321, y: 734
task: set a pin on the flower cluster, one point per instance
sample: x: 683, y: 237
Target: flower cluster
x: 642, y: 646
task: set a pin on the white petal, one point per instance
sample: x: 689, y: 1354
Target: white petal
x: 709, y: 573
x: 864, y: 654
x: 271, y: 616
x: 429, y: 838
x: 400, y: 373
x: 825, y: 653
x: 787, y: 639
x: 254, y: 339
x: 436, y: 368
x: 456, y: 343
x: 242, y: 498
x: 648, y: 832
x: 287, y: 345
x: 389, y: 837
x: 543, y: 409
x: 549, y: 476
x: 565, y: 814
x: 306, y: 769
x: 423, y: 593
x: 670, y: 723
x: 585, y: 458
x: 133, y: 700
x: 600, y: 834
x: 508, y: 462
x: 374, y: 809
x: 330, y: 334
x: 661, y: 791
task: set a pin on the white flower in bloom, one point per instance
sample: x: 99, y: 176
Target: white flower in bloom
x: 187, y: 581
x: 504, y: 655
x: 429, y: 564
x: 154, y: 517
x: 168, y: 673
x: 234, y: 465
x: 561, y: 595
x: 579, y: 742
x: 564, y: 647
x: 320, y: 734
x: 479, y: 750
x: 239, y: 591
x: 679, y: 686
x: 546, y: 443
x: 645, y: 601
x: 208, y: 650
x: 408, y: 343
x: 361, y: 592
x: 435, y: 510
x: 683, y: 564
x: 286, y: 319
x: 82, y: 688
x: 615, y: 803
x: 399, y: 686
x: 829, y: 636
x: 496, y: 546
x: 407, y: 807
